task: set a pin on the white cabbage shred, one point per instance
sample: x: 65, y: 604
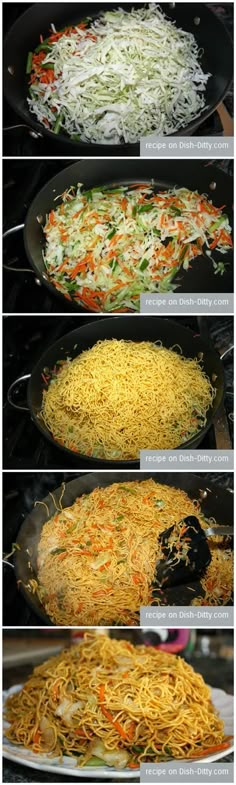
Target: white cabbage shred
x: 141, y: 74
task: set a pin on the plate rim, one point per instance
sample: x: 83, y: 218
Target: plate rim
x: 104, y: 772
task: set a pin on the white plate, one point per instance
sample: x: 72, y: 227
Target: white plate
x: 222, y: 702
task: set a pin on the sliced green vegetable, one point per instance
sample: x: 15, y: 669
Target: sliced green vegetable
x: 115, y: 190
x: 144, y: 264
x: 219, y: 268
x: 129, y: 490
x: 58, y: 550
x: 113, y: 264
x: 146, y: 207
x: 71, y: 529
x: 175, y: 210
x: 111, y: 234
x: 29, y: 63
x: 94, y: 761
x: 218, y: 223
x: 183, y: 252
x: 58, y: 123
x: 44, y: 46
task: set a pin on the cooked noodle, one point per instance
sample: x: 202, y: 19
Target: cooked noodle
x: 120, y: 397
x: 97, y: 558
x: 122, y: 703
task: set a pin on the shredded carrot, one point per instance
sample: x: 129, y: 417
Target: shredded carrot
x: 137, y: 579
x: 215, y: 242
x: 80, y: 732
x: 64, y: 264
x: 101, y: 592
x: 47, y: 77
x: 87, y: 301
x: 52, y: 219
x: 131, y: 730
x: 216, y: 748
x: 36, y: 737
x: 116, y: 724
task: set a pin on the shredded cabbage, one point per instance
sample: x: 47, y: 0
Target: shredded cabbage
x: 124, y: 76
x: 106, y: 246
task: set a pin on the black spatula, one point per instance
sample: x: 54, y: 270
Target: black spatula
x: 186, y: 553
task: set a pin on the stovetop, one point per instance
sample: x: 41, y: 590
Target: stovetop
x: 21, y: 143
x: 25, y: 339
x: 19, y: 495
x: 22, y: 290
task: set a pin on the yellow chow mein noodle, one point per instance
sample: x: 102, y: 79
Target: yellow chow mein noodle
x: 97, y: 558
x: 121, y: 703
x: 120, y: 397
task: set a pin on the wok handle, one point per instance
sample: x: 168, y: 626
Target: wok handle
x: 31, y: 132
x: 226, y: 120
x: 8, y: 233
x: 12, y: 230
x: 8, y: 563
x: 11, y: 390
x: 227, y: 351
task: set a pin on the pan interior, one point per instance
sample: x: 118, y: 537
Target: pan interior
x: 194, y: 279
x: 152, y: 329
x: 25, y: 33
x: 217, y: 503
x: 157, y: 185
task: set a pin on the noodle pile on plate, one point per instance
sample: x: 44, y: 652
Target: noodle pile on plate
x: 96, y: 559
x: 120, y: 703
x: 121, y: 397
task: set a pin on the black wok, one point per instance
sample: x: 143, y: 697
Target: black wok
x: 24, y: 35
x: 195, y: 175
x: 149, y: 328
x: 215, y: 501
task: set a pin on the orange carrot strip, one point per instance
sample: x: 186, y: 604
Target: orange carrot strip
x: 101, y: 592
x: 215, y: 748
x: 52, y: 220
x: 36, y: 737
x: 131, y: 730
x: 116, y: 724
